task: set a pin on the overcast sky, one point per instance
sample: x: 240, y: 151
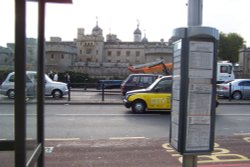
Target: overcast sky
x: 157, y: 18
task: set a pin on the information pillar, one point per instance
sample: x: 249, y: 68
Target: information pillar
x: 194, y: 90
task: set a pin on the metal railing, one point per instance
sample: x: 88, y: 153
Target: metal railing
x: 94, y: 91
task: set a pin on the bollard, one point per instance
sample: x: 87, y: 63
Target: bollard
x: 230, y: 92
x: 102, y: 92
x: 69, y: 91
x: 85, y: 86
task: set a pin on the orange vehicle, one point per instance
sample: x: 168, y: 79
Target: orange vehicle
x: 152, y: 67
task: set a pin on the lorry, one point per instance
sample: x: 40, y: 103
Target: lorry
x: 152, y: 67
x: 225, y: 69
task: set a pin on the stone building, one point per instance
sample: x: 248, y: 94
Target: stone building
x: 6, y: 58
x: 93, y: 55
x: 111, y: 58
x: 60, y: 55
x: 7, y: 55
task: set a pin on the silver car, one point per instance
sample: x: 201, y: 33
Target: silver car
x: 240, y: 89
x: 52, y: 88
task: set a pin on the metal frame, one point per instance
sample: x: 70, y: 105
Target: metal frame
x: 20, y: 104
x: 40, y: 80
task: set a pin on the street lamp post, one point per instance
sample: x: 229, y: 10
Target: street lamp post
x: 195, y: 12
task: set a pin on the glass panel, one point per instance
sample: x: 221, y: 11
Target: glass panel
x: 31, y: 76
x: 6, y: 66
x: 7, y: 14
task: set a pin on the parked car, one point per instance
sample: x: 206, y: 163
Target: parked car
x: 52, y: 88
x: 240, y: 89
x: 156, y: 97
x: 138, y: 81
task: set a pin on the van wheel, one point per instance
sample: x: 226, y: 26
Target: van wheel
x: 57, y: 94
x: 237, y: 95
x: 11, y: 94
x: 138, y: 106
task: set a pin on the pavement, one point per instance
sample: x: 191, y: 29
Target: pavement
x: 81, y: 96
x: 142, y: 152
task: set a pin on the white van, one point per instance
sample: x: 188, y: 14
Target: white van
x: 225, y: 72
x: 52, y: 88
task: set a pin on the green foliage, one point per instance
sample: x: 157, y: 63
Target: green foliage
x: 229, y: 46
x: 77, y: 79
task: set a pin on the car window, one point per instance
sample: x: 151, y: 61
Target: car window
x: 31, y: 77
x: 146, y: 79
x: 244, y: 83
x: 134, y: 80
x: 247, y: 83
x: 12, y: 78
x: 28, y: 79
x: 164, y: 85
x: 226, y: 69
x: 241, y: 83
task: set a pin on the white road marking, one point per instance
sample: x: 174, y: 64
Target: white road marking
x: 61, y: 139
x: 234, y: 114
x: 90, y: 114
x: 48, y: 149
x: 14, y: 114
x: 105, y: 114
x: 6, y: 114
x: 243, y: 134
x: 125, y: 138
x: 51, y: 139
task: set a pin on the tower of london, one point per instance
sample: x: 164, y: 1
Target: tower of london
x: 100, y: 57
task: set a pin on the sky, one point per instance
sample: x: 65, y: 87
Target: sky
x: 157, y: 18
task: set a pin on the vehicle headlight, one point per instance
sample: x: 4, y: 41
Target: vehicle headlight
x: 65, y: 87
x: 127, y: 96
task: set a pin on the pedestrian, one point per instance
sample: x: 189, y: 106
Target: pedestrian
x: 55, y: 78
x: 67, y: 78
x: 51, y: 75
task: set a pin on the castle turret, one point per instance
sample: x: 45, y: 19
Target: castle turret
x: 97, y: 31
x: 144, y: 39
x: 137, y: 34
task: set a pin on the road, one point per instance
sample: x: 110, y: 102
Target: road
x: 232, y: 120
x: 112, y: 121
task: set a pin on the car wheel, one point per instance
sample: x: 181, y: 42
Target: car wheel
x: 237, y: 95
x: 11, y: 94
x: 57, y: 94
x: 138, y: 106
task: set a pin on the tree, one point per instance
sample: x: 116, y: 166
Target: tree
x: 229, y: 46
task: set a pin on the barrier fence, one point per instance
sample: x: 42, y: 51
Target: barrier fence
x: 94, y: 91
